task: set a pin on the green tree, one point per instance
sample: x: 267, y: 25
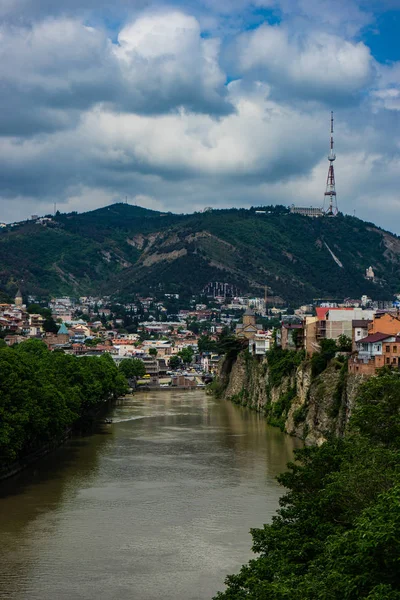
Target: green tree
x: 206, y: 344
x: 344, y: 343
x: 153, y: 352
x: 174, y: 362
x: 132, y: 367
x: 43, y: 394
x: 186, y: 355
x: 337, y: 533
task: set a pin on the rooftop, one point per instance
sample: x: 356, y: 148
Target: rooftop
x: 377, y: 337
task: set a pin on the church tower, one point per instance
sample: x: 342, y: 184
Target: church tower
x: 18, y: 299
x: 249, y: 317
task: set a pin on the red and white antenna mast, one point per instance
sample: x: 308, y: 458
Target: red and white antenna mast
x: 330, y: 203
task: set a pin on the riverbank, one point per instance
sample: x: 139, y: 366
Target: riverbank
x: 45, y: 395
x: 337, y: 533
x: 285, y: 389
x: 157, y: 506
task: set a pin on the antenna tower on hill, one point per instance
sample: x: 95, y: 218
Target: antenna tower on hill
x: 330, y: 203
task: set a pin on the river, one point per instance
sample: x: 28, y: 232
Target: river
x: 157, y: 505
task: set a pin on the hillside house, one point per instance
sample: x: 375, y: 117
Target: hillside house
x: 385, y: 322
x: 292, y: 336
x: 261, y: 343
x: 375, y: 351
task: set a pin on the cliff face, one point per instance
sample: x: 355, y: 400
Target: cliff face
x: 308, y: 407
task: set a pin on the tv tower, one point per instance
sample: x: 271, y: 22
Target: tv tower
x: 330, y: 203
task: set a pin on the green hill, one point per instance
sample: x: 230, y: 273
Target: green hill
x: 121, y: 249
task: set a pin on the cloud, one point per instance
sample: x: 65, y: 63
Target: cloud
x: 317, y: 66
x: 344, y: 18
x: 55, y: 69
x: 194, y: 104
x: 166, y: 61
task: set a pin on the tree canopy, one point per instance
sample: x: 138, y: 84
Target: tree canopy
x: 43, y: 393
x: 132, y: 367
x: 337, y: 533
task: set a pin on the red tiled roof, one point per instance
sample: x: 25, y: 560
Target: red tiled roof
x: 322, y: 311
x: 376, y: 337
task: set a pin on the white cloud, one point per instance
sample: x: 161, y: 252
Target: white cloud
x: 317, y: 65
x: 86, y: 120
x: 164, y: 57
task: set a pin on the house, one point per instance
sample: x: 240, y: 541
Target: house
x: 36, y: 325
x: 292, y: 336
x: 385, y: 322
x: 359, y: 331
x: 374, y: 352
x: 249, y: 327
x: 261, y: 343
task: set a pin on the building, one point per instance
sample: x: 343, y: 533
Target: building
x: 306, y: 211
x: 292, y: 336
x: 369, y: 273
x: 311, y: 344
x: 36, y: 325
x: 18, y: 299
x: 334, y: 322
x: 374, y: 352
x: 249, y: 327
x: 385, y: 322
x: 359, y: 331
x: 261, y: 343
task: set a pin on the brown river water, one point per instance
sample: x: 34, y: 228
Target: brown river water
x: 157, y: 505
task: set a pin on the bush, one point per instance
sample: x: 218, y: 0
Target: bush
x: 282, y: 363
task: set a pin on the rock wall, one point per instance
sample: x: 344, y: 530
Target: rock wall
x: 311, y: 408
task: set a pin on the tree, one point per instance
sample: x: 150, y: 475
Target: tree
x: 344, y: 343
x: 206, y: 344
x: 132, y: 367
x: 91, y: 342
x: 186, y: 355
x: 43, y: 394
x: 337, y: 533
x: 174, y: 362
x: 153, y: 352
x: 320, y: 360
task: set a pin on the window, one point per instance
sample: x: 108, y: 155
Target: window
x: 387, y: 348
x: 394, y: 349
x: 388, y: 361
x: 394, y: 360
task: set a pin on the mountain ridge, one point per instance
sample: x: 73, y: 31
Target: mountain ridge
x: 121, y: 250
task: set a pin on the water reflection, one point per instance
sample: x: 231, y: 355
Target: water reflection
x: 157, y: 505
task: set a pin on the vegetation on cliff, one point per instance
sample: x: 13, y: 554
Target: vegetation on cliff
x: 337, y: 533
x: 44, y: 393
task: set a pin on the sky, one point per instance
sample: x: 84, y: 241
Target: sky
x: 182, y: 105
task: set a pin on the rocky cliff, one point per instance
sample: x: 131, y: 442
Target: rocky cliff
x: 307, y: 406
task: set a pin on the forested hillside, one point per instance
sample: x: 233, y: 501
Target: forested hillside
x: 123, y: 249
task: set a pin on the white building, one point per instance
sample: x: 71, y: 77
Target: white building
x: 261, y: 343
